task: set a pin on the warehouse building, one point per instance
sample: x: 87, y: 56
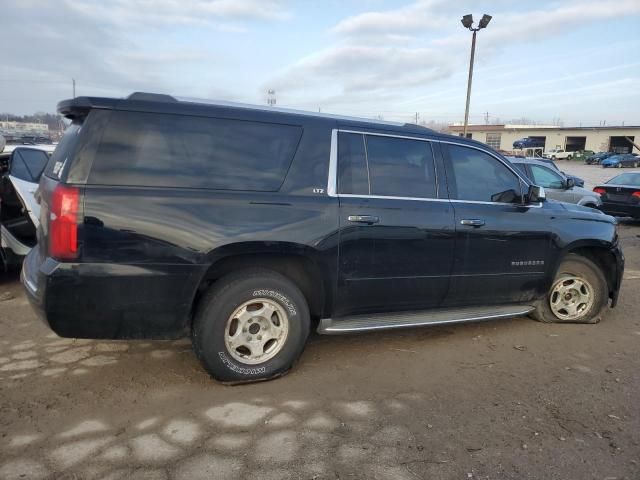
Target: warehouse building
x: 571, y: 139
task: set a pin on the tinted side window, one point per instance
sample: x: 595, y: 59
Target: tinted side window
x: 145, y: 149
x: 35, y: 161
x: 352, y: 165
x: 545, y: 177
x: 64, y: 148
x: 400, y: 167
x: 475, y: 175
x: 19, y: 168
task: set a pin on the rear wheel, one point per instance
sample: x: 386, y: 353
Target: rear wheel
x: 569, y: 157
x: 251, y: 326
x: 578, y: 293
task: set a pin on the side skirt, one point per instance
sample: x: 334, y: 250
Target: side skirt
x: 386, y: 321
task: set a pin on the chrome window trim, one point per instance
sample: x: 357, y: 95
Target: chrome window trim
x: 333, y: 165
x: 333, y: 169
x: 385, y: 197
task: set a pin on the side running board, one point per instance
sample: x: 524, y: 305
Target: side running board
x: 384, y: 321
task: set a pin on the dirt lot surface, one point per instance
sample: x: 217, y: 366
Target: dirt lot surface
x: 512, y: 399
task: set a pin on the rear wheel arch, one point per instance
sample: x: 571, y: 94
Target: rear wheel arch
x: 299, y: 265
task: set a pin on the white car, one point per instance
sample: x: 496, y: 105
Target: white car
x: 19, y: 212
x: 559, y: 155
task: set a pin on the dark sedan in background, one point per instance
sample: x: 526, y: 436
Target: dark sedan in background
x: 621, y: 195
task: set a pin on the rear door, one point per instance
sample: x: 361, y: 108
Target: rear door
x: 502, y: 245
x: 396, y: 229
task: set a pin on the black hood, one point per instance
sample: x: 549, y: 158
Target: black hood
x: 581, y: 213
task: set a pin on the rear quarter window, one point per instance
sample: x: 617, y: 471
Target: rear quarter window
x: 63, y: 152
x: 163, y: 150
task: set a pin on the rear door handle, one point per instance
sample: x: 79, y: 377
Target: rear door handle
x: 363, y: 219
x: 472, y: 222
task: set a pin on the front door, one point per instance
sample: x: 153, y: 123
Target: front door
x: 502, y: 245
x: 396, y: 232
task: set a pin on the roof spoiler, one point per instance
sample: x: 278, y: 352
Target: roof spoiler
x: 79, y: 107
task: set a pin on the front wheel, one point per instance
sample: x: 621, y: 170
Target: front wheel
x: 578, y: 293
x: 251, y: 326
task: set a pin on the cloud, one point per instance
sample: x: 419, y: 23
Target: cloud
x: 397, y: 51
x: 416, y: 16
x: 105, y: 46
x: 180, y: 12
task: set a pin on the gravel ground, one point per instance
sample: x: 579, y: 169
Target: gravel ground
x: 510, y: 399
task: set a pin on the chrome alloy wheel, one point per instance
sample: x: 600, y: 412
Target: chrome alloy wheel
x: 571, y: 298
x: 256, y: 331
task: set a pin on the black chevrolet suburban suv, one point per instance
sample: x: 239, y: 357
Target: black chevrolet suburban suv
x: 243, y: 226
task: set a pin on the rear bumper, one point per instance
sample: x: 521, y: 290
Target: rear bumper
x: 107, y: 301
x: 620, y: 209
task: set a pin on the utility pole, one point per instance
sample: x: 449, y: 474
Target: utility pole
x: 467, y: 22
x: 73, y: 81
x: 417, y: 115
x: 486, y: 118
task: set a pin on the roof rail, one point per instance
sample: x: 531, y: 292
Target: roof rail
x: 151, y: 97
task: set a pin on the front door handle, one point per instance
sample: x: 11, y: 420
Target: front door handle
x: 363, y: 219
x: 472, y: 222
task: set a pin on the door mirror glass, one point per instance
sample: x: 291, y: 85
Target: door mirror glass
x: 536, y: 194
x: 570, y: 183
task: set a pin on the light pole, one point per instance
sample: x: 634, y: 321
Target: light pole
x: 467, y: 22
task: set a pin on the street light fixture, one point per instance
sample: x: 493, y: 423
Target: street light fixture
x: 467, y: 22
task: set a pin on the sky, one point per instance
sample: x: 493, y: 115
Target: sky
x: 570, y: 61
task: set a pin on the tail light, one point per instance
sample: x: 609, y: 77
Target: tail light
x: 636, y: 194
x: 600, y: 190
x: 63, y: 223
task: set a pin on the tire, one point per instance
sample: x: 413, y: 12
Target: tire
x: 581, y: 272
x: 553, y: 158
x: 619, y: 165
x: 219, y: 311
x: 569, y: 157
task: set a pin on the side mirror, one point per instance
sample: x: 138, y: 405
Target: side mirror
x: 570, y: 183
x: 536, y: 194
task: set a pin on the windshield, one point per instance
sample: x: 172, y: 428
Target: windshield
x: 632, y: 179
